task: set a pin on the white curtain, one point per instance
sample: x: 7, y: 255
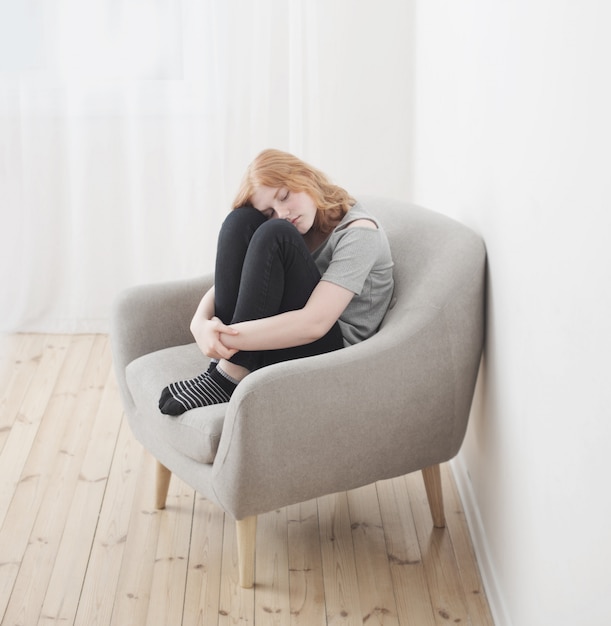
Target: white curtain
x: 126, y: 125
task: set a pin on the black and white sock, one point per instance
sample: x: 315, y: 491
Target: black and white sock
x: 212, y: 387
x: 166, y: 394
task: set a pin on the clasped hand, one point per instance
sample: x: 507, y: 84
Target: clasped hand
x: 208, y: 336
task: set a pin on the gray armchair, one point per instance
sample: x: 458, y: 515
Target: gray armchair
x: 396, y: 403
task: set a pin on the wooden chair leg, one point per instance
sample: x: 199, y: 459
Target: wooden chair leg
x: 432, y: 484
x: 247, y: 534
x: 163, y: 484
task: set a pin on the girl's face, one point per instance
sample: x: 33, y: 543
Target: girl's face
x: 298, y: 208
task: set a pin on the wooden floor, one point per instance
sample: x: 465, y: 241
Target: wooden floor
x: 81, y: 543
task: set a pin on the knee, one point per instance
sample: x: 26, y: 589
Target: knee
x: 244, y: 218
x: 275, y: 230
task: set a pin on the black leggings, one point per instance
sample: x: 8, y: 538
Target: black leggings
x: 263, y: 267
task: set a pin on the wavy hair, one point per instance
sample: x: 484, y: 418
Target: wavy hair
x: 274, y: 168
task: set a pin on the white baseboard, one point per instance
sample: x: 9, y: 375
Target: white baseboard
x: 490, y: 581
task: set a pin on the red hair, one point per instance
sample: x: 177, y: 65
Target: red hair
x: 274, y: 168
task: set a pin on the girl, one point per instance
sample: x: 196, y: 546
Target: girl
x: 301, y: 269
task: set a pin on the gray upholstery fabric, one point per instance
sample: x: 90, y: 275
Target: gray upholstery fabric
x: 395, y: 403
x: 194, y: 433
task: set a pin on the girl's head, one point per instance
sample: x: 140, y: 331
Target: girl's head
x: 277, y: 169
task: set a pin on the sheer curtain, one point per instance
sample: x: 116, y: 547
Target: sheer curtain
x: 125, y: 127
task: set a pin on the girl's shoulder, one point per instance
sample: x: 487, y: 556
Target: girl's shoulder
x: 358, y: 216
x: 357, y: 226
x: 363, y: 222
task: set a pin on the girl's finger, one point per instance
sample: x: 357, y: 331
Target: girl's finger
x: 222, y: 328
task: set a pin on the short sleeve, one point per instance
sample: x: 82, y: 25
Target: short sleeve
x: 353, y: 258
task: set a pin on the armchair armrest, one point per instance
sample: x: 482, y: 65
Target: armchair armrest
x: 152, y: 317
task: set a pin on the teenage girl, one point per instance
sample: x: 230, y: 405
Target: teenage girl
x: 302, y: 268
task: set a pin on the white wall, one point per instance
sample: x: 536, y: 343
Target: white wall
x: 513, y: 137
x: 363, y: 95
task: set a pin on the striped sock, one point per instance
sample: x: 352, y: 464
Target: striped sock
x: 166, y: 394
x: 211, y: 387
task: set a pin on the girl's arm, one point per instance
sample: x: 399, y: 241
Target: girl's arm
x: 205, y: 308
x: 294, y: 328
x: 207, y: 329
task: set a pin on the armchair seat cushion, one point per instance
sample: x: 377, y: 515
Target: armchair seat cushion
x: 195, y: 433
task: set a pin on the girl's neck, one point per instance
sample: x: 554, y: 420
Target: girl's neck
x: 314, y: 238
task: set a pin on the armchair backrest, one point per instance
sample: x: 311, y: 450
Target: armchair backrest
x: 434, y: 255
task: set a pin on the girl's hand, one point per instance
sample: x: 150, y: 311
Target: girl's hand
x: 207, y: 333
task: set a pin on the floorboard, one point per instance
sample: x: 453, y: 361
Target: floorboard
x: 82, y: 544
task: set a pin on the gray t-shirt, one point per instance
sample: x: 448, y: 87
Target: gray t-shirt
x: 358, y: 259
